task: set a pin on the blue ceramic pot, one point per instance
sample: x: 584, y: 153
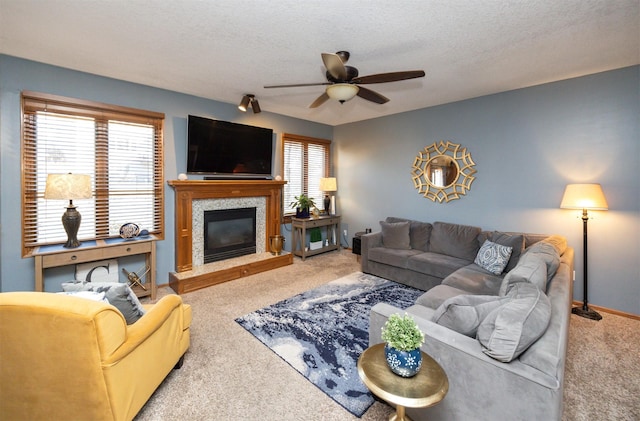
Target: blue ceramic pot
x: 403, y: 363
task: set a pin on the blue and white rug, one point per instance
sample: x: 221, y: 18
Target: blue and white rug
x: 322, y: 332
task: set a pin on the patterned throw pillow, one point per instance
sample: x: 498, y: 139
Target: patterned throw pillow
x: 493, y: 257
x: 119, y: 295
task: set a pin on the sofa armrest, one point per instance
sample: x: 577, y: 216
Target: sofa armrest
x: 152, y: 320
x: 367, y: 242
x: 458, y: 354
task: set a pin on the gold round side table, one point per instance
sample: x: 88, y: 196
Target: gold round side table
x: 425, y: 389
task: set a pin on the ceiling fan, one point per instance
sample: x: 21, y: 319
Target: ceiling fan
x: 344, y: 83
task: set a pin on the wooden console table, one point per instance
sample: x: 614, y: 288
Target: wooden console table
x: 299, y: 227
x: 91, y: 251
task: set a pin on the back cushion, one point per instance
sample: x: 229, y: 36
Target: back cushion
x: 455, y: 240
x: 419, y: 232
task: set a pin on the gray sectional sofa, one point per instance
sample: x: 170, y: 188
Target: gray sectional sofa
x: 495, y: 313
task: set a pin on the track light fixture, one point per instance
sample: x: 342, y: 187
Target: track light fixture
x: 249, y: 99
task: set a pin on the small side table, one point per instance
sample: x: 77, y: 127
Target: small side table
x: 357, y: 242
x: 425, y: 389
x: 300, y: 226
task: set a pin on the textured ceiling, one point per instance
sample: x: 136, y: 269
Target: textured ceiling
x: 225, y: 48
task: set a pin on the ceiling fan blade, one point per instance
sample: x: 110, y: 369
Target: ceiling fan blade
x: 334, y: 66
x: 389, y: 77
x: 320, y: 100
x: 372, y: 96
x: 297, y: 85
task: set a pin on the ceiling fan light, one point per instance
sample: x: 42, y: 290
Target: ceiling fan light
x: 342, y: 91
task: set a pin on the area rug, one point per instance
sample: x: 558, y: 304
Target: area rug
x: 322, y: 332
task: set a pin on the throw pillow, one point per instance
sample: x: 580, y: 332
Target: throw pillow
x: 548, y: 253
x: 119, y: 295
x: 493, y: 257
x: 395, y: 235
x: 464, y: 313
x: 531, y: 268
x: 89, y: 295
x: 516, y: 241
x: 510, y: 329
x: 419, y: 232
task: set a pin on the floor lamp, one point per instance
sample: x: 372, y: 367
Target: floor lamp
x: 585, y: 197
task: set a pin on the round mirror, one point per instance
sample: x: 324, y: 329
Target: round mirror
x: 441, y: 171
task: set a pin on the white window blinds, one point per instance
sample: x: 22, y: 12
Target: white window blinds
x: 305, y: 161
x: 120, y: 148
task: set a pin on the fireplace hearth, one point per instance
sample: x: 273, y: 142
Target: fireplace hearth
x: 229, y: 233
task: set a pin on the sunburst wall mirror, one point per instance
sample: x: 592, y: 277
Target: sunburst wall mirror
x: 443, y: 171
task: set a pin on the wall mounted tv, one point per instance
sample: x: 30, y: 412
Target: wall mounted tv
x: 221, y: 149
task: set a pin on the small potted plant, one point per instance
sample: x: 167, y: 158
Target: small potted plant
x: 315, y: 238
x: 302, y: 204
x: 403, y: 340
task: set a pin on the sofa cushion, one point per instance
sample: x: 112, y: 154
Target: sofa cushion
x: 510, y: 329
x: 531, y: 268
x: 419, y: 232
x: 438, y: 295
x: 455, y: 240
x: 119, y: 295
x: 435, y: 264
x: 549, y: 250
x: 513, y: 240
x: 393, y: 257
x: 475, y: 280
x: 464, y: 313
x: 557, y: 241
x: 395, y: 235
x: 538, y: 264
x: 493, y: 257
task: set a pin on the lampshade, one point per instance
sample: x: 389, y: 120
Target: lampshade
x: 68, y: 186
x: 328, y: 184
x: 342, y: 91
x: 584, y: 196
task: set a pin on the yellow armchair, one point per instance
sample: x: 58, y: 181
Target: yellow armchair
x: 69, y: 358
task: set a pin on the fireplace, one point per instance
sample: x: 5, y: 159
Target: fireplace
x: 192, y: 199
x: 229, y: 233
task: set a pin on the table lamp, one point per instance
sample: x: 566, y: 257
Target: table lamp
x: 328, y: 185
x: 585, y: 197
x: 69, y: 187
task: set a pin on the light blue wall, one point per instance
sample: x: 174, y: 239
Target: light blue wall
x: 17, y: 75
x: 527, y: 145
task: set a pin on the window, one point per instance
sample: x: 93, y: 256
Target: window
x: 305, y: 161
x: 120, y: 148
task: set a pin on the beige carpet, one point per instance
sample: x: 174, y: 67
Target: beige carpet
x: 229, y: 374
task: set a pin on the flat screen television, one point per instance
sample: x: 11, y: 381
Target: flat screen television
x: 221, y: 149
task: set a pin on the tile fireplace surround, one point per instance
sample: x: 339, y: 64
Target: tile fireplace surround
x: 192, y: 197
